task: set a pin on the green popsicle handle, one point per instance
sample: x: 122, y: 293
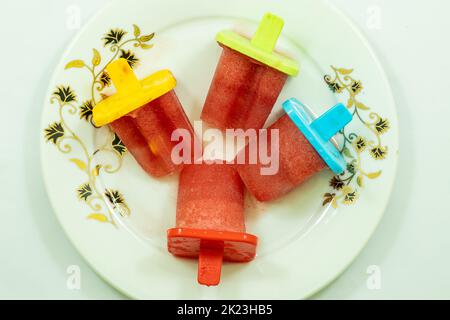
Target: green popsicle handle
x: 268, y: 32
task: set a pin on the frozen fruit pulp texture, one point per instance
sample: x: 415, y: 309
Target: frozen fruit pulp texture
x: 298, y: 161
x: 137, y: 145
x: 210, y: 220
x: 243, y: 92
x: 211, y: 197
x: 151, y: 126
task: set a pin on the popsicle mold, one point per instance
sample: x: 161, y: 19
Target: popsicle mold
x: 145, y: 114
x: 210, y: 220
x: 304, y: 149
x: 248, y: 79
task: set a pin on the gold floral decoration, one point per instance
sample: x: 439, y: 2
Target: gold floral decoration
x: 346, y: 186
x: 66, y: 139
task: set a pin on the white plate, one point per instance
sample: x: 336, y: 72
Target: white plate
x: 304, y: 243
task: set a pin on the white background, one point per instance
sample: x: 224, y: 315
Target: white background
x: 412, y: 243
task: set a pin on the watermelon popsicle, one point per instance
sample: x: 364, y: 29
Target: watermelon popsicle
x: 210, y: 220
x: 248, y: 79
x: 144, y: 114
x: 304, y: 150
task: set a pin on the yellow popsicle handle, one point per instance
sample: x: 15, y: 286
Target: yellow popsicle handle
x: 123, y: 76
x: 132, y: 93
x: 268, y: 32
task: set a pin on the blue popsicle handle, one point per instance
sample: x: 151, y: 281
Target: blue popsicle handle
x: 319, y: 131
x: 332, y: 121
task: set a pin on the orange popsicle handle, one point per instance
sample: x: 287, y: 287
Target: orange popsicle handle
x: 211, y: 248
x: 210, y: 263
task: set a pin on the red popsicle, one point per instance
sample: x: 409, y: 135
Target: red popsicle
x: 299, y: 157
x: 248, y: 79
x: 144, y: 114
x: 242, y: 93
x: 138, y: 146
x: 298, y: 162
x: 210, y: 220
